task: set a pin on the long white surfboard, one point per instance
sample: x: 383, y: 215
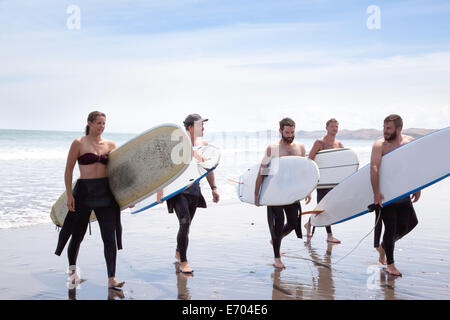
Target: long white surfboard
x: 196, y: 171
x: 141, y: 166
x: 335, y: 165
x: 403, y: 171
x: 289, y: 179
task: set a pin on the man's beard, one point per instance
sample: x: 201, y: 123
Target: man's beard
x: 287, y: 140
x: 391, y: 137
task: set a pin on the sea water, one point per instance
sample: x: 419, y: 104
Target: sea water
x: 32, y: 165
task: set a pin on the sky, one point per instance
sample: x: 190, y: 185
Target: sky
x: 243, y: 64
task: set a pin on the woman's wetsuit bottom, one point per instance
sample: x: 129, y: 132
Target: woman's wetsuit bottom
x: 106, y: 217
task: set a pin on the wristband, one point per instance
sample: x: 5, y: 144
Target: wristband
x: 213, y: 188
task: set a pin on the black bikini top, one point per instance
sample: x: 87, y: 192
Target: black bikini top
x: 90, y: 158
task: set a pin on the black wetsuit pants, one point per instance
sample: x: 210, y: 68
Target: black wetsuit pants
x: 106, y: 217
x: 278, y: 230
x: 185, y: 206
x: 399, y: 218
x: 92, y: 194
x: 320, y: 194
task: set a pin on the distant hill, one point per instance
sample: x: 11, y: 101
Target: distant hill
x: 364, y: 134
x: 360, y: 134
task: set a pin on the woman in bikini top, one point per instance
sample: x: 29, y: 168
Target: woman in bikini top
x: 91, y: 192
x: 90, y: 158
x: 91, y: 151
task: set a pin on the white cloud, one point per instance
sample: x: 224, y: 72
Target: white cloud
x: 243, y: 77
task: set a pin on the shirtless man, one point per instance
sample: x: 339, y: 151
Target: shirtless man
x: 399, y: 218
x: 275, y: 215
x: 329, y: 141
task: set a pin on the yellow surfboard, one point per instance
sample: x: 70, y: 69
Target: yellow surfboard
x: 140, y: 167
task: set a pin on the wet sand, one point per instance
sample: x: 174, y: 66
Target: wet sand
x: 231, y: 256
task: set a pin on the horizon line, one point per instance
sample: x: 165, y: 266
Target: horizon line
x: 234, y: 131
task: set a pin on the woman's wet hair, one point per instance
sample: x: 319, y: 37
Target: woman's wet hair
x: 91, y: 118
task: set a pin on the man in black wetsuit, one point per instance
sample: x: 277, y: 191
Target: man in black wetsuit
x: 275, y: 215
x: 186, y: 203
x: 399, y: 218
x: 329, y: 141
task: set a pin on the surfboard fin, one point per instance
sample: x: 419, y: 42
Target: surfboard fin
x: 235, y: 181
x: 316, y: 212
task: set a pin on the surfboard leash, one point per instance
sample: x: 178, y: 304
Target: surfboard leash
x: 371, y: 208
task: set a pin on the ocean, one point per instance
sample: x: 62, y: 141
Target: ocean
x: 32, y: 165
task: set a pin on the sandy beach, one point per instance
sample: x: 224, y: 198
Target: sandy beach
x: 231, y: 256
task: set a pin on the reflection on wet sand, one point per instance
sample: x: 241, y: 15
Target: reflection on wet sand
x: 387, y: 284
x: 114, y: 294
x: 285, y: 290
x: 182, y: 278
x: 72, y: 294
x: 322, y: 283
x: 74, y: 281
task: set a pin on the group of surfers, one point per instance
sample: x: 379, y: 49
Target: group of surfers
x: 92, y: 192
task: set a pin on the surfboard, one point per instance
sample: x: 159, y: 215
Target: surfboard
x: 288, y: 179
x: 335, y: 165
x: 403, y: 171
x: 140, y: 167
x: 197, y: 170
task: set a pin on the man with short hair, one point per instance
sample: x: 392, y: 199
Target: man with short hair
x: 187, y: 202
x: 275, y: 214
x: 329, y: 141
x: 399, y: 218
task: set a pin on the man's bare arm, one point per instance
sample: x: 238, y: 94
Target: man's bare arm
x: 315, y: 148
x: 302, y: 150
x: 262, y: 168
x: 375, y: 163
x: 212, y: 183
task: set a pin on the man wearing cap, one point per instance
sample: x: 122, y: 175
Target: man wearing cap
x: 186, y: 202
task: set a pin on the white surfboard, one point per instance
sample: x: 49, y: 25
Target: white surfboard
x: 403, y: 171
x: 289, y: 179
x: 335, y: 165
x: 196, y: 171
x: 141, y: 166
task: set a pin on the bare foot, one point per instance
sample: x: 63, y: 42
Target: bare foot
x: 184, y: 267
x: 392, y: 270
x: 113, y: 283
x: 278, y: 264
x: 382, y: 258
x: 308, y: 229
x: 332, y: 239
